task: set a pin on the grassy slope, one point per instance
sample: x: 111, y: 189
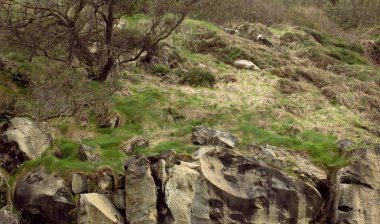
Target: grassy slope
x: 255, y: 108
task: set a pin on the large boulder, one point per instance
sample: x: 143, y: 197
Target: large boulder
x: 141, y: 192
x: 246, y: 64
x: 97, y: 208
x: 21, y: 139
x: 358, y: 190
x: 209, y: 136
x: 44, y: 198
x: 240, y: 189
x: 180, y: 192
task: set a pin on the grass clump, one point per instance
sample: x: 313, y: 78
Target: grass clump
x: 198, y: 77
x: 165, y: 146
x: 347, y: 56
x: 160, y: 69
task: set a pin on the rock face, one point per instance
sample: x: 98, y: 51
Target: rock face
x: 141, y: 193
x: 130, y: 145
x: 359, y: 188
x: 87, y: 153
x: 208, y: 136
x: 245, y: 64
x: 79, y: 183
x: 180, y: 192
x: 237, y: 189
x: 20, y: 140
x: 97, y: 208
x: 44, y: 198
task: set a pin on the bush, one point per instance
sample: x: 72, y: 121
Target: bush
x: 160, y: 69
x: 198, y: 77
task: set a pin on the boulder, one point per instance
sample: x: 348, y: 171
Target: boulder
x: 44, y: 198
x: 105, y: 182
x: 136, y: 142
x: 21, y: 139
x: 233, y: 188
x: 118, y: 199
x: 113, y: 120
x: 358, y: 190
x: 87, y: 153
x: 141, y: 192
x: 246, y: 64
x: 97, y: 208
x: 208, y: 136
x: 265, y: 41
x: 159, y: 173
x: 79, y: 183
x: 180, y: 192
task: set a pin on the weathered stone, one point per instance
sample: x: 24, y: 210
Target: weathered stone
x: 168, y: 156
x: 20, y: 140
x: 113, y: 120
x: 87, y: 153
x: 263, y: 40
x: 105, y: 182
x: 79, y: 183
x: 97, y: 208
x: 159, y: 172
x: 208, y: 136
x: 245, y: 64
x: 180, y: 192
x: 44, y: 198
x: 358, y: 191
x: 141, y: 193
x: 118, y: 199
x: 240, y: 189
x: 203, y: 150
x: 137, y: 142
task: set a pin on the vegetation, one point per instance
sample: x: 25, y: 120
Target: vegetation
x: 198, y: 77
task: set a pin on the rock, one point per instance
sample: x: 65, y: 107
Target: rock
x: 358, y: 191
x: 240, y: 189
x: 344, y: 144
x: 203, y: 150
x: 245, y: 64
x: 118, y: 199
x: 7, y: 217
x: 168, y: 156
x: 159, y: 172
x: 263, y: 40
x: 180, y: 192
x: 97, y: 208
x: 231, y: 31
x: 79, y: 183
x: 113, y: 120
x: 137, y: 142
x: 20, y: 140
x: 44, y: 198
x: 141, y: 192
x: 86, y: 153
x: 193, y: 166
x: 208, y: 136
x: 105, y: 182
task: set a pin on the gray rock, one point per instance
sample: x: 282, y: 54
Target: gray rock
x: 208, y: 136
x: 79, y: 183
x: 118, y: 199
x: 240, y: 189
x: 44, y: 198
x: 87, y: 153
x: 358, y: 191
x: 141, y: 192
x: 137, y: 142
x: 113, y: 120
x: 159, y: 172
x: 20, y: 140
x: 97, y: 208
x: 245, y: 64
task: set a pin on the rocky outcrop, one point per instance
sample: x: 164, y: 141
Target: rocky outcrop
x: 44, y: 198
x: 239, y: 189
x: 358, y: 190
x: 209, y: 136
x: 21, y: 139
x: 136, y: 142
x: 245, y: 64
x: 79, y: 183
x: 180, y: 192
x: 141, y: 193
x: 97, y: 208
x: 87, y: 153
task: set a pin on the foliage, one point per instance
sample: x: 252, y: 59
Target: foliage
x: 160, y: 69
x: 198, y: 77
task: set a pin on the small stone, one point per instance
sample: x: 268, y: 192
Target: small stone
x: 245, y: 64
x: 137, y: 142
x: 86, y: 153
x: 209, y: 136
x: 79, y: 183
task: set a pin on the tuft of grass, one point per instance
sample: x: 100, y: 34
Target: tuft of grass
x: 347, y: 56
x: 160, y: 69
x: 165, y: 146
x: 198, y: 77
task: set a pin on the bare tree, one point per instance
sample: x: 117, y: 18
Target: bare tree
x: 97, y: 34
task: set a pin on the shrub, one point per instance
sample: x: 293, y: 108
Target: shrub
x: 198, y: 77
x: 160, y: 69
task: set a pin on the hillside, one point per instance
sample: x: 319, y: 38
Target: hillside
x: 308, y: 91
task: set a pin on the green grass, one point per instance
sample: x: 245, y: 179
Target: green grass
x: 322, y: 148
x: 165, y: 146
x: 347, y: 56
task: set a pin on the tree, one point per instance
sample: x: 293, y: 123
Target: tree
x: 96, y: 34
